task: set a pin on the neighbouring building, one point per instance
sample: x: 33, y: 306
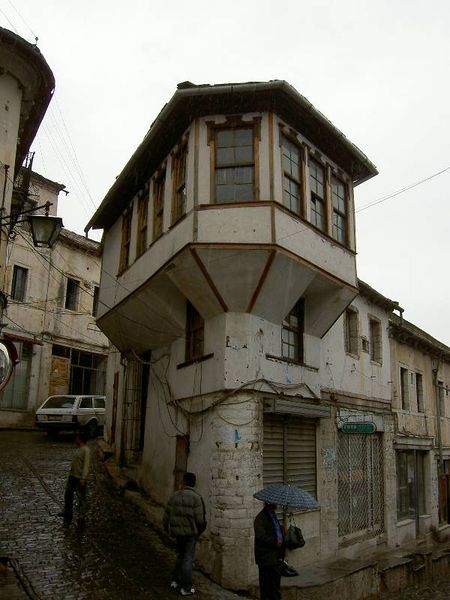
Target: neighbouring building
x: 421, y: 407
x: 229, y: 289
x: 26, y: 88
x: 50, y: 316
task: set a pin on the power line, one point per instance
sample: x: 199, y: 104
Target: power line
x: 9, y: 21
x: 24, y: 22
x: 402, y: 190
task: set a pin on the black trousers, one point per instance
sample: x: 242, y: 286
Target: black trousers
x: 73, y: 486
x: 269, y: 582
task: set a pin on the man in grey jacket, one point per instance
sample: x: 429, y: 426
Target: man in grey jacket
x: 185, y: 520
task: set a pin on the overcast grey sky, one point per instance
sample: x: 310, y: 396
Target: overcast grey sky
x: 378, y: 70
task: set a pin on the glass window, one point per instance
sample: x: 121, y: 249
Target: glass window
x: 419, y: 393
x: 234, y: 166
x: 86, y: 403
x: 179, y: 184
x: 351, y: 332
x: 375, y: 340
x: 19, y: 283
x: 95, y: 301
x: 317, y: 202
x: 99, y: 403
x: 292, y: 333
x: 72, y: 294
x: 158, y: 204
x: 60, y: 402
x: 292, y: 176
x: 126, y: 240
x: 339, y: 202
x: 441, y: 395
x: 195, y: 329
x: 141, y: 242
x: 404, y: 388
x: 410, y: 484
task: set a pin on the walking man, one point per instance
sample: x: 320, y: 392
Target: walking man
x: 77, y: 482
x: 185, y: 520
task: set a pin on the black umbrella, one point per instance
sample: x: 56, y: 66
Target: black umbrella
x: 287, y: 496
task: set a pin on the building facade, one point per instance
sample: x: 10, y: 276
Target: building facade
x: 229, y: 288
x: 421, y: 408
x: 50, y: 316
x: 26, y: 88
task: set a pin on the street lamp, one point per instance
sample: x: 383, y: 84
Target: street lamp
x: 44, y: 228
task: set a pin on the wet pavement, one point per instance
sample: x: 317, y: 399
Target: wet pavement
x: 116, y: 556
x: 439, y: 590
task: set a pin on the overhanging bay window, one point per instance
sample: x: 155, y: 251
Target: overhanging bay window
x: 234, y: 164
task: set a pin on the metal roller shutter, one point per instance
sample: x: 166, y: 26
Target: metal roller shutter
x: 289, y: 451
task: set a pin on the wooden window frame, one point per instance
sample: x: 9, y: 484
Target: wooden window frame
x: 72, y: 300
x: 336, y: 211
x: 313, y: 196
x: 125, y: 244
x: 418, y: 377
x: 179, y: 178
x: 404, y: 388
x: 351, y: 334
x: 95, y: 297
x: 159, y: 185
x: 22, y: 288
x: 235, y: 122
x: 299, y: 312
x: 375, y: 340
x: 299, y: 182
x: 195, y: 333
x: 142, y: 223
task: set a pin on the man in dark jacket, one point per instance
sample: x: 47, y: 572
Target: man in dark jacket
x: 185, y: 520
x: 269, y: 549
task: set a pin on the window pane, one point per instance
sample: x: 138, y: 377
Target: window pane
x: 19, y: 283
x: 244, y: 154
x: 243, y: 137
x: 225, y: 156
x: 225, y: 138
x: 317, y: 178
x: 317, y: 213
x: 291, y: 195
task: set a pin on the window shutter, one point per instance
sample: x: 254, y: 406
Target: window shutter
x: 289, y: 451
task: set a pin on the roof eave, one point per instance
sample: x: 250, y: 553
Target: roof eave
x: 180, y: 101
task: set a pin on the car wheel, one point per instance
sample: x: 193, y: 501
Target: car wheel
x: 91, y: 429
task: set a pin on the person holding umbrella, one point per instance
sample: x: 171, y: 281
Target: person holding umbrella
x: 269, y: 550
x: 270, y: 536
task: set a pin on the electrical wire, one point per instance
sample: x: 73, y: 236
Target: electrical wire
x: 24, y: 22
x: 402, y: 190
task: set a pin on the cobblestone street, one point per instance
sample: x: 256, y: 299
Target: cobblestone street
x: 117, y: 555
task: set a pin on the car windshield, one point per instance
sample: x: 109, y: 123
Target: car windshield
x: 59, y: 402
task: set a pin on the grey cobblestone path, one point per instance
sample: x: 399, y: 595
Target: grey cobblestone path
x: 117, y: 556
x: 439, y: 590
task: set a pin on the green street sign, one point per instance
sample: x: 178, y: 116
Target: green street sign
x: 359, y: 427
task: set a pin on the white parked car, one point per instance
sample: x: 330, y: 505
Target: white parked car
x: 72, y: 413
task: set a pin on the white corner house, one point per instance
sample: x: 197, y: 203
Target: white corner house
x: 247, y: 349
